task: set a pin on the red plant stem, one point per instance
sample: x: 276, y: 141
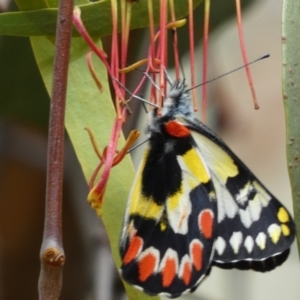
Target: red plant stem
x: 151, y: 28
x: 162, y: 49
x: 244, y: 53
x: 110, y: 153
x: 192, y: 52
x: 126, y: 17
x: 175, y: 42
x: 115, y: 54
x: 205, y: 58
x: 114, y: 44
x: 52, y: 253
x: 100, y: 53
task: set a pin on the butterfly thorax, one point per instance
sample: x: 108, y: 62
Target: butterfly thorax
x: 178, y: 104
x: 178, y: 101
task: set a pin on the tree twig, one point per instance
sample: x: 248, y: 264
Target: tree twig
x: 52, y: 253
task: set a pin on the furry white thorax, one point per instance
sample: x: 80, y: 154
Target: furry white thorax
x: 178, y: 101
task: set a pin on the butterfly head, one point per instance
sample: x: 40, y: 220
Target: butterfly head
x: 178, y: 101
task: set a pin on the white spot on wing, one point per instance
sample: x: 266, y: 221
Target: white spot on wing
x: 235, y: 241
x: 255, y: 207
x: 220, y: 245
x: 178, y: 217
x: 243, y: 195
x: 249, y: 243
x: 179, y: 210
x: 274, y: 231
x: 231, y: 208
x: 261, y: 240
x: 245, y: 217
x: 227, y: 207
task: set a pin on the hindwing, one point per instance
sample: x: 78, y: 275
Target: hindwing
x: 254, y: 229
x: 170, y: 224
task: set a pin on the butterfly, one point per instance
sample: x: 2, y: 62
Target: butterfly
x: 193, y: 205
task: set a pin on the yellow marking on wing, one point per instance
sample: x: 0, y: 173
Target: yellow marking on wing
x: 285, y: 230
x: 139, y: 204
x: 195, y: 165
x: 163, y: 226
x: 224, y: 166
x: 264, y: 196
x: 216, y: 158
x: 212, y: 195
x: 173, y: 201
x: 283, y: 215
x: 143, y: 206
x: 192, y: 183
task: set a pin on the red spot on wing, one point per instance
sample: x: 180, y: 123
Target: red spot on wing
x: 187, y: 273
x: 206, y: 221
x: 146, y: 266
x: 197, y: 254
x: 168, y: 272
x: 176, y: 129
x: 135, y: 247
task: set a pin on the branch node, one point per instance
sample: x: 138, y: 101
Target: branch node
x: 53, y: 256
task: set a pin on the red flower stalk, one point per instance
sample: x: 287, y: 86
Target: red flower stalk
x: 243, y: 49
x: 110, y: 156
x: 205, y: 58
x: 192, y: 52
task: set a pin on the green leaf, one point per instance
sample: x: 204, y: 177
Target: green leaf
x: 26, y: 5
x: 291, y: 96
x: 87, y: 107
x: 33, y: 4
x: 96, y: 17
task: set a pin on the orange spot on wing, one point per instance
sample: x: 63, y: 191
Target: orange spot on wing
x: 206, y: 221
x: 146, y: 266
x: 168, y: 272
x: 197, y: 255
x: 133, y: 250
x: 187, y: 273
x: 174, y: 128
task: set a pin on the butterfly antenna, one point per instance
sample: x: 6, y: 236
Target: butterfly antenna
x: 151, y: 80
x: 170, y: 81
x: 132, y: 95
x: 138, y: 145
x: 250, y: 63
x: 182, y: 69
x: 144, y: 106
x: 149, y: 77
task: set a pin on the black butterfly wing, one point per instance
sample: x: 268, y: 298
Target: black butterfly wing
x: 254, y: 231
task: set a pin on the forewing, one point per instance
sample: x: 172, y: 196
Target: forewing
x: 167, y: 240
x: 254, y: 231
